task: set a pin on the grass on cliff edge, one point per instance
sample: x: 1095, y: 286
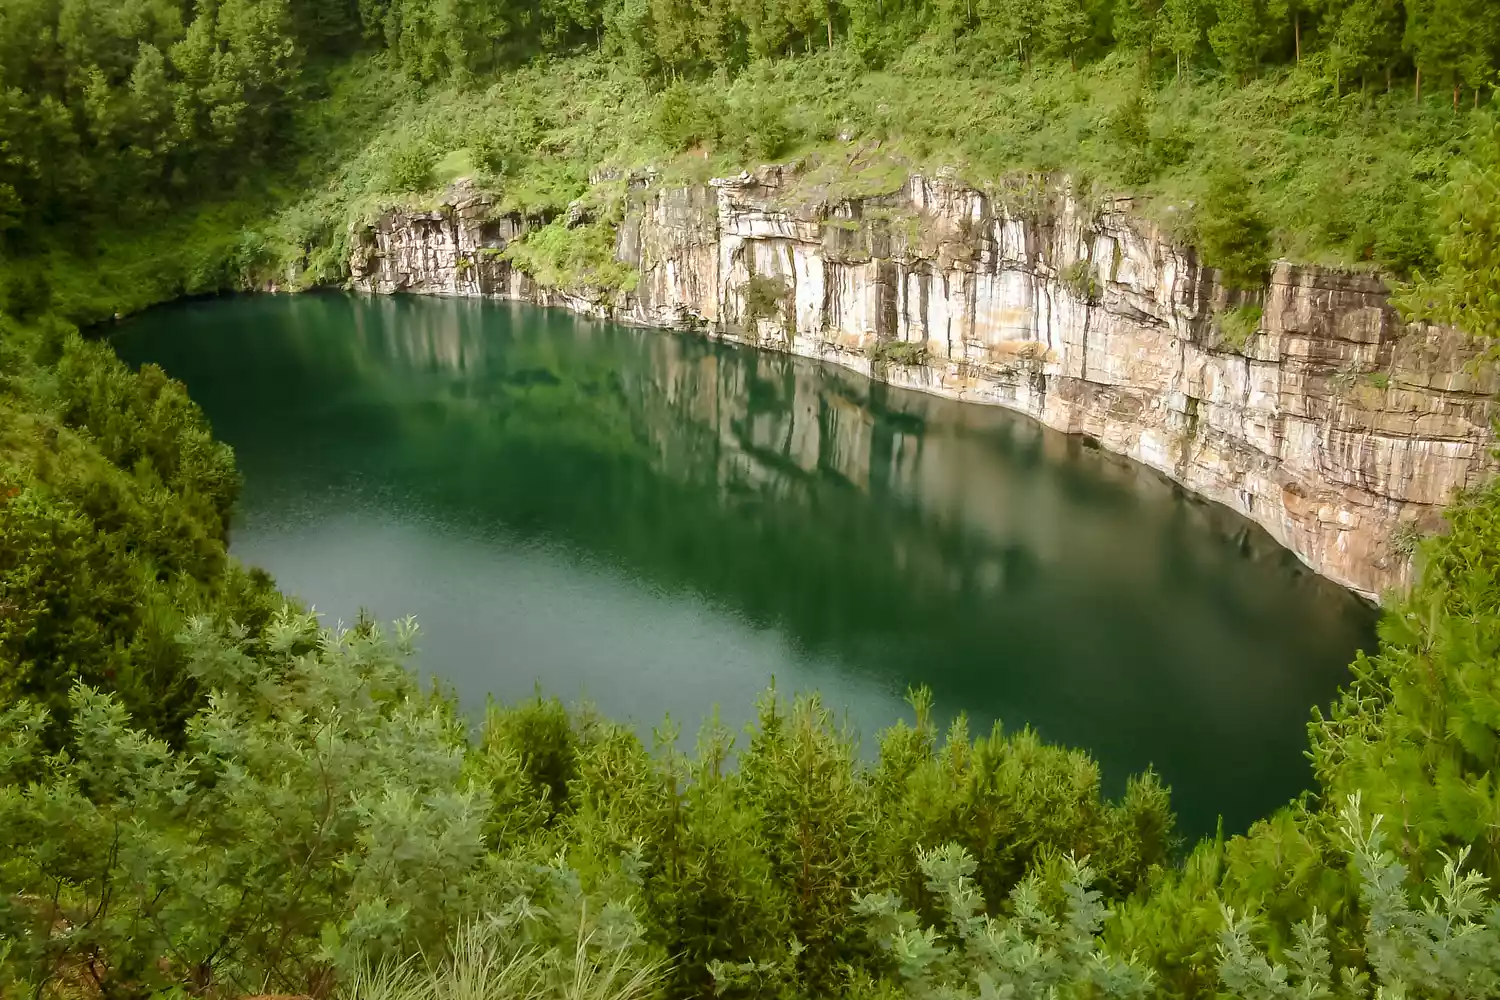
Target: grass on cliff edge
x: 1345, y: 180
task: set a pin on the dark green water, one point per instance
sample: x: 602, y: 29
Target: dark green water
x: 661, y: 524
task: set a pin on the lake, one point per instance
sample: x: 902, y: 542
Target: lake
x: 661, y: 524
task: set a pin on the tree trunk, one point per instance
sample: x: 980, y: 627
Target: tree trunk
x: 1419, y: 85
x: 830, y: 26
x: 1457, y: 89
x: 1388, y: 72
x: 1297, y: 29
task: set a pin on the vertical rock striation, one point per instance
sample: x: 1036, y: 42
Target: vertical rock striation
x: 1334, y: 425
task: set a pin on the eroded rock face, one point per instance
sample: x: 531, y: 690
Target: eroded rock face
x: 1337, y: 427
x: 453, y: 250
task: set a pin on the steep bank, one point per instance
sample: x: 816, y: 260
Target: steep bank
x: 1334, y: 425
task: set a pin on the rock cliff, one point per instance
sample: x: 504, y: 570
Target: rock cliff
x: 1308, y: 407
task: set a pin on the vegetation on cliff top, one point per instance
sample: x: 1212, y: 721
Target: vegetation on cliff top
x: 157, y: 147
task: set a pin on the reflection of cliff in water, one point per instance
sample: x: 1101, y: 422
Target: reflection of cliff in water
x: 962, y: 504
x: 882, y: 538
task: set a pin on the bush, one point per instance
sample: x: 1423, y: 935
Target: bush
x: 114, y: 512
x: 1082, y: 279
x: 766, y: 130
x: 897, y: 352
x: 1447, y: 946
x: 1464, y: 289
x: 1232, y: 234
x: 26, y: 294
x: 765, y: 297
x: 410, y: 168
x: 1238, y: 325
x: 578, y: 258
x: 1029, y: 953
x: 684, y: 118
x: 314, y: 815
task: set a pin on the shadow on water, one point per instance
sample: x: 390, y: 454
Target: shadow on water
x: 661, y: 524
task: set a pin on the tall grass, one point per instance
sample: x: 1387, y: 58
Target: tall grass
x: 487, y: 960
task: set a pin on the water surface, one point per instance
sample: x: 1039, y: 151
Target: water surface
x: 661, y: 524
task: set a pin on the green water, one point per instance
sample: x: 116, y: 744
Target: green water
x: 660, y: 525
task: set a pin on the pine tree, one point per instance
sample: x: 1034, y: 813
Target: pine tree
x: 1182, y: 29
x: 1246, y: 32
x: 1009, y: 27
x: 1232, y: 233
x: 1441, y: 35
x: 718, y: 34
x: 1364, y: 37
x: 813, y: 818
x: 672, y: 35
x: 1065, y: 27
x: 1137, y: 25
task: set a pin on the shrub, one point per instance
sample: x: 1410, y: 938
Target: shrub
x: 410, y: 168
x: 313, y: 816
x: 1082, y: 279
x: 767, y: 132
x: 26, y: 294
x: 1464, y: 290
x: 1405, y: 539
x: 765, y: 297
x: 897, y: 352
x: 684, y: 118
x: 1448, y: 946
x: 1032, y: 952
x: 1232, y: 234
x: 1236, y: 326
x: 114, y: 510
x: 577, y: 258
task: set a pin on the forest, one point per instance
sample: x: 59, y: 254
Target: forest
x: 206, y: 791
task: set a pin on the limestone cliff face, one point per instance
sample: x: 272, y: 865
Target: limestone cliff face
x: 1334, y: 425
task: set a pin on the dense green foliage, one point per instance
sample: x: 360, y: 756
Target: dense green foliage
x: 215, y: 796
x: 157, y: 148
x: 321, y: 812
x: 203, y: 790
x: 1453, y: 44
x: 1414, y: 739
x: 308, y: 818
x: 1464, y: 291
x: 114, y: 508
